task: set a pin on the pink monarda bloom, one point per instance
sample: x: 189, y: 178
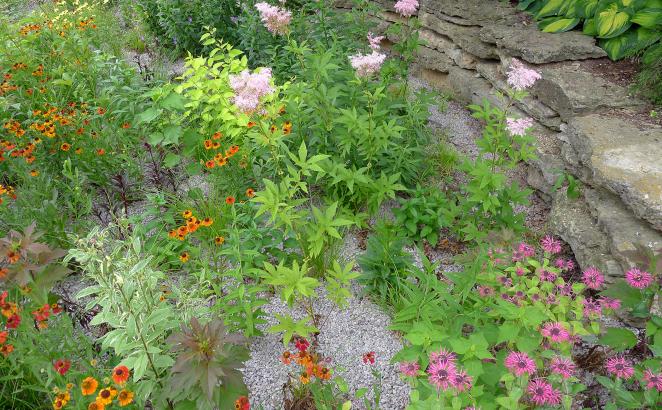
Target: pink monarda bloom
x: 275, y: 19
x: 593, y: 278
x: 562, y: 366
x: 249, y: 88
x: 609, y: 303
x: 564, y: 264
x: 485, y: 291
x: 520, y: 77
x: 592, y: 307
x: 526, y: 250
x: 555, y: 332
x: 442, y: 356
x: 374, y: 41
x: 638, y: 279
x: 441, y: 374
x: 461, y: 381
x: 406, y: 8
x: 540, y: 392
x: 518, y: 126
x: 409, y: 369
x: 520, y: 363
x: 550, y: 245
x: 367, y: 64
x: 620, y: 367
x: 652, y: 380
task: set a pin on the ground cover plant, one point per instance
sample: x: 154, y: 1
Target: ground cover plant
x: 146, y: 224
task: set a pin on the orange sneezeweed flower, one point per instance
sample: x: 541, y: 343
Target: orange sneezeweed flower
x: 217, y: 145
x: 78, y: 151
x: 219, y: 240
x: 250, y: 124
x: 6, y: 349
x: 121, y: 374
x: 125, y: 398
x: 95, y: 405
x: 207, y: 222
x: 89, y: 386
x: 230, y: 200
x: 101, y: 151
x: 217, y: 135
x: 34, y: 173
x: 184, y: 257
x: 304, y: 378
x: 65, y: 146
x: 286, y: 357
x: 287, y: 128
x: 126, y: 125
x: 13, y: 257
x: 208, y: 144
x: 222, y: 161
x: 210, y: 164
x: 182, y: 230
x: 105, y: 396
x: 250, y: 192
x: 187, y: 214
x: 172, y: 234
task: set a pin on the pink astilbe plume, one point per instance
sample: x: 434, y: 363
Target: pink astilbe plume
x: 410, y: 369
x: 518, y: 126
x: 275, y: 19
x: 367, y: 64
x: 550, y: 245
x: 375, y: 41
x: 619, y: 366
x: 555, y: 332
x: 441, y: 374
x: 653, y: 380
x: 562, y: 366
x: 249, y: 88
x: 638, y: 279
x: 593, y: 278
x: 520, y: 77
x: 520, y: 363
x: 406, y: 8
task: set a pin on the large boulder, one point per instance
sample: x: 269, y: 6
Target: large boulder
x: 623, y: 156
x: 537, y: 47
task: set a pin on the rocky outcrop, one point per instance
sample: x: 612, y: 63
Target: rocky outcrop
x: 586, y: 125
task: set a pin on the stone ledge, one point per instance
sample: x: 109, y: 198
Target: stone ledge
x: 471, y: 12
x: 465, y: 37
x: 619, y: 156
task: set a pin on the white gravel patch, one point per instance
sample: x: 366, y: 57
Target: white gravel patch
x: 345, y: 335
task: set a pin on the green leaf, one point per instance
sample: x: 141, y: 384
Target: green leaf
x: 612, y: 22
x: 558, y: 24
x: 629, y: 296
x: 148, y: 115
x: 619, y: 339
x: 173, y: 101
x: 171, y: 134
x: 171, y: 160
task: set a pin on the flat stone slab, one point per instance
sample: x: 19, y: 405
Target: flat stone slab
x: 466, y: 37
x: 537, y: 47
x: 570, y: 90
x: 470, y: 12
x: 623, y: 157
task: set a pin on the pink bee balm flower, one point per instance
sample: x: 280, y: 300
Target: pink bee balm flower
x: 540, y: 392
x: 562, y: 366
x: 442, y: 356
x: 249, y: 88
x: 409, y: 368
x: 652, y: 380
x: 550, y: 245
x: 441, y: 374
x: 620, y: 367
x: 592, y: 307
x: 520, y: 363
x: 527, y: 250
x: 518, y: 126
x: 609, y: 303
x: 555, y: 332
x: 368, y: 64
x: 520, y: 77
x: 638, y: 279
x: 375, y: 41
x: 593, y: 278
x: 275, y: 19
x: 461, y: 381
x: 485, y: 291
x: 406, y: 8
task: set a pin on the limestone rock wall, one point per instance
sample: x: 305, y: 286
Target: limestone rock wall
x: 587, y: 125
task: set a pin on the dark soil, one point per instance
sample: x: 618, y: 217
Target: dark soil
x: 622, y: 72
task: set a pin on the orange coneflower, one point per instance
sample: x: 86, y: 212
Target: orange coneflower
x: 217, y: 145
x: 208, y: 144
x: 230, y: 200
x: 101, y: 111
x: 184, y: 257
x: 95, y: 405
x: 121, y: 374
x: 187, y: 214
x: 219, y: 240
x: 101, y: 151
x: 207, y: 221
x: 34, y: 173
x: 250, y: 192
x: 172, y: 234
x: 323, y: 373
x: 6, y: 349
x: 222, y: 162
x: 125, y: 398
x: 273, y: 128
x: 233, y: 149
x: 287, y: 127
x: 217, y: 135
x: 78, y: 151
x: 210, y: 164
x: 182, y: 230
x: 88, y: 386
x: 65, y: 146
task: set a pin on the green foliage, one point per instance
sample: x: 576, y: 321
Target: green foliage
x: 649, y: 79
x: 385, y: 266
x: 624, y: 27
x: 180, y: 23
x: 423, y: 215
